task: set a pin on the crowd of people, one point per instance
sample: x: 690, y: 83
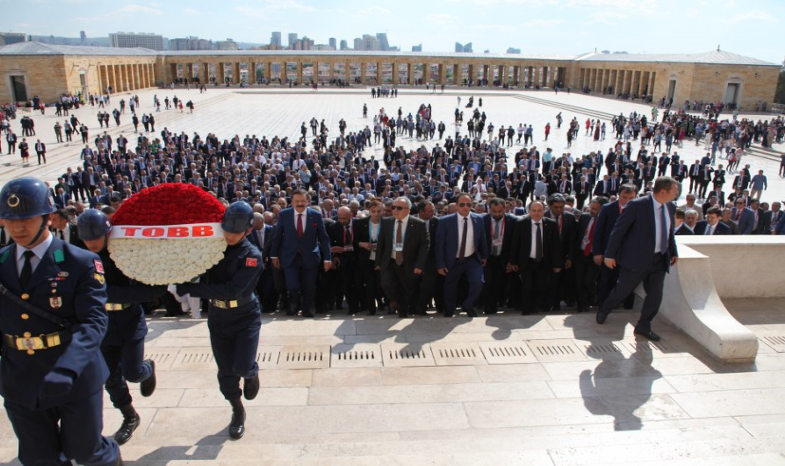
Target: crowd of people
x: 479, y: 222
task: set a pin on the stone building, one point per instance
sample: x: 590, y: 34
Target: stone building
x: 32, y: 68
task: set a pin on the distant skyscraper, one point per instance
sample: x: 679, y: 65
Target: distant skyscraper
x: 82, y: 36
x: 275, y: 38
x: 382, y: 38
x: 131, y: 40
x: 417, y: 48
x: 344, y: 45
x: 333, y: 43
x: 292, y: 38
x: 8, y: 38
x: 227, y: 44
x: 460, y: 48
x: 513, y: 50
x: 367, y: 42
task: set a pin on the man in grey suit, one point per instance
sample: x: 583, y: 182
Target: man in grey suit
x: 642, y: 244
x: 743, y: 216
x: 402, y: 251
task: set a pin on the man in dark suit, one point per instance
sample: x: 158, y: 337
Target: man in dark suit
x: 537, y: 255
x: 341, y: 235
x: 586, y: 270
x: 743, y: 216
x: 431, y: 283
x: 40, y: 150
x: 262, y: 236
x: 461, y: 249
x: 582, y: 191
x: 499, y: 230
x: 695, y: 176
x: 300, y: 245
x: 643, y: 246
x: 564, y: 281
x: 606, y: 219
x: 401, y: 255
x: 712, y: 224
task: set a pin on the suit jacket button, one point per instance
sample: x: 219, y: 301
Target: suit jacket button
x: 25, y: 316
x: 25, y: 296
x: 30, y: 352
x: 27, y: 335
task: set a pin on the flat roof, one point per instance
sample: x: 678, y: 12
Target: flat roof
x: 715, y: 57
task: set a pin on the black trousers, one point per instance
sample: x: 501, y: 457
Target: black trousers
x: 653, y: 278
x: 536, y: 279
x: 495, y: 284
x: 399, y: 285
x: 586, y: 275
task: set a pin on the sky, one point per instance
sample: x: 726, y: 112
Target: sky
x: 549, y: 27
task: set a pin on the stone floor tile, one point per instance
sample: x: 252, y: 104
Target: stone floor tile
x: 347, y: 377
x: 733, y: 402
x: 429, y: 375
x: 281, y: 396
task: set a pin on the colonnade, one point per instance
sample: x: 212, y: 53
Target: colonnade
x: 126, y: 77
x: 363, y: 71
x: 618, y: 81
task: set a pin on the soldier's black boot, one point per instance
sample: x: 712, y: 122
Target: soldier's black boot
x: 237, y: 426
x: 147, y: 387
x: 251, y: 387
x: 131, y: 421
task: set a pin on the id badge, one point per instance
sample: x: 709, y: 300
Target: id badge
x: 498, y: 242
x: 348, y: 248
x: 398, y: 247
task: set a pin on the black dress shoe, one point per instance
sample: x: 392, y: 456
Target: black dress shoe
x: 647, y: 334
x: 147, y: 387
x: 237, y: 425
x: 471, y: 313
x: 372, y: 312
x: 131, y: 421
x: 601, y: 316
x: 307, y: 313
x: 251, y: 387
x: 448, y: 314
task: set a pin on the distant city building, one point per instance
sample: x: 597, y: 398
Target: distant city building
x: 227, y: 44
x: 132, y: 40
x: 417, y: 48
x: 302, y: 44
x: 513, y: 50
x: 7, y: 38
x: 367, y: 42
x: 322, y: 47
x: 333, y: 43
x: 82, y: 36
x: 344, y: 45
x: 292, y: 38
x: 190, y: 43
x: 383, y: 43
x: 57, y: 40
x: 459, y: 48
x: 275, y: 38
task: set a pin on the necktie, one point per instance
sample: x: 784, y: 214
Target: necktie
x: 710, y: 230
x: 347, y: 235
x: 462, y: 249
x: 587, y: 248
x: 663, y: 231
x: 398, y: 241
x: 538, y: 244
x: 299, y: 225
x: 496, y: 235
x: 60, y: 232
x: 27, y: 269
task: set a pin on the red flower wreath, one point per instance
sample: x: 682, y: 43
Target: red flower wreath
x: 169, y: 204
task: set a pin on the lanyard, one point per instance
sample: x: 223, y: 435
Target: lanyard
x: 373, y: 233
x: 501, y: 232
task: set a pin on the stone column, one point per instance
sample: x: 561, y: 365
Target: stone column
x: 652, y: 75
x: 363, y: 67
x: 410, y: 73
x: 300, y: 71
x: 379, y: 74
x: 515, y: 75
x: 395, y: 79
x: 113, y: 78
x: 442, y: 74
x: 347, y: 70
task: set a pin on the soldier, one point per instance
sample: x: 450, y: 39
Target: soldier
x: 234, y: 316
x: 52, y: 381
x: 123, y: 345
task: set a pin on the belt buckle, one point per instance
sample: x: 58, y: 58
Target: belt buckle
x: 53, y: 339
x: 219, y: 304
x: 232, y: 303
x: 29, y: 343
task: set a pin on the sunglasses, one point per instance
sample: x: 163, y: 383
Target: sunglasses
x: 464, y: 204
x: 399, y: 207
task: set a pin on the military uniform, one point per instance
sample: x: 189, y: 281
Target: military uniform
x: 234, y: 316
x: 123, y: 345
x: 66, y: 283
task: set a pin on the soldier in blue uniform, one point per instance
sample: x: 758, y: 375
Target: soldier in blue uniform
x: 234, y: 316
x: 52, y: 322
x: 123, y: 345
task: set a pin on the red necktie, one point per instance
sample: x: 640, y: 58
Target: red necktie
x: 587, y: 249
x: 299, y: 225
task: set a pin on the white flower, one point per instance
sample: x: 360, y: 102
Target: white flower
x: 166, y: 261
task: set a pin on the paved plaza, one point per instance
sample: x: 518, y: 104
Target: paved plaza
x: 553, y: 389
